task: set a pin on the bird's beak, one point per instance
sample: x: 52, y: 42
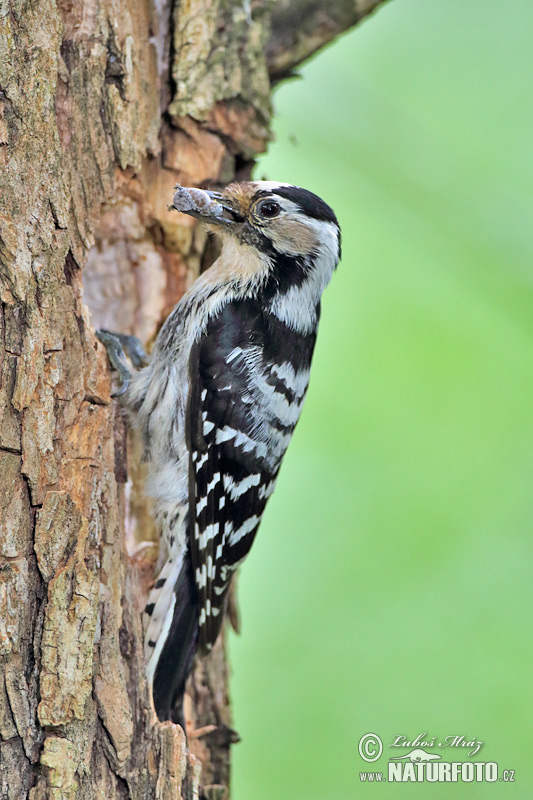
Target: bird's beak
x: 211, y: 207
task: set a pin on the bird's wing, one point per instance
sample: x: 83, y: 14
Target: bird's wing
x: 229, y: 479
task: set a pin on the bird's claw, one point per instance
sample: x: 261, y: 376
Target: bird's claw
x: 115, y: 345
x: 134, y: 349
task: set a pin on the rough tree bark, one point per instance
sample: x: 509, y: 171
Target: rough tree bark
x: 104, y: 106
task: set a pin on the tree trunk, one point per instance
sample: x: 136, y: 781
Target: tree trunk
x: 104, y: 106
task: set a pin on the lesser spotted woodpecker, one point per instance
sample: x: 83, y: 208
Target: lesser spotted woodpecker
x: 219, y: 401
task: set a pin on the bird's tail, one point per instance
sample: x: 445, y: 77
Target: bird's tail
x: 171, y: 638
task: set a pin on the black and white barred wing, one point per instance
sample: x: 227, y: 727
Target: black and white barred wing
x: 233, y: 460
x: 228, y: 491
x: 228, y: 507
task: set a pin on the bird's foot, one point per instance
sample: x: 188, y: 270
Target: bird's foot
x: 117, y: 346
x: 134, y: 349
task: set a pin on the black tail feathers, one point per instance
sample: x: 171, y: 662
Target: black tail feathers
x: 177, y: 655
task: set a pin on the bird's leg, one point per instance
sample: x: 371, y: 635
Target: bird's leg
x: 117, y: 345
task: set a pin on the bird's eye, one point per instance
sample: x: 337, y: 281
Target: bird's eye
x: 269, y: 209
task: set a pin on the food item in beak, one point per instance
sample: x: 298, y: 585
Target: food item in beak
x: 196, y: 202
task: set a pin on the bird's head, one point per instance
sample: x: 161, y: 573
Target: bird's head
x: 274, y: 218
x: 278, y: 238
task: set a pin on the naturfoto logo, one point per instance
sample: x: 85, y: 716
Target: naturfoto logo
x: 419, y: 765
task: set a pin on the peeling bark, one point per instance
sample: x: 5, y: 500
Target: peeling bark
x: 104, y: 106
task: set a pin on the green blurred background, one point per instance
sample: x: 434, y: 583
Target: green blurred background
x: 390, y: 587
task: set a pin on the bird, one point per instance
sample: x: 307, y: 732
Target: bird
x: 217, y: 402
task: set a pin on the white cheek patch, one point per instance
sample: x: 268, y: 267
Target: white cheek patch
x: 297, y: 307
x: 292, y: 236
x: 297, y: 234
